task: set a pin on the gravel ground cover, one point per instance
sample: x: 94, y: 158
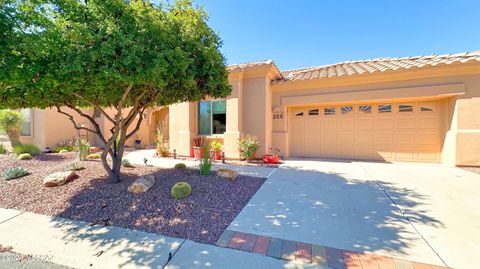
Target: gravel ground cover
x: 201, y: 217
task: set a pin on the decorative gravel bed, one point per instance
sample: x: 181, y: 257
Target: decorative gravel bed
x: 201, y: 217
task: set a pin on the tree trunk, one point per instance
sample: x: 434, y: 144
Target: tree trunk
x: 117, y: 150
x: 14, y: 137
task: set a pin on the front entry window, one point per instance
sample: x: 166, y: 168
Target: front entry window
x: 212, y: 117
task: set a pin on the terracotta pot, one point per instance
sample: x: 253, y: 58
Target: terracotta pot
x: 198, y: 152
x: 271, y: 158
x: 218, y: 155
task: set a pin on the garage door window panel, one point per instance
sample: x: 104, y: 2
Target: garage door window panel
x: 365, y: 109
x: 314, y: 112
x: 405, y: 108
x: 329, y: 111
x: 384, y: 108
x: 346, y: 110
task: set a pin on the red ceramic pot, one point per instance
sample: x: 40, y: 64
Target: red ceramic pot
x: 271, y: 158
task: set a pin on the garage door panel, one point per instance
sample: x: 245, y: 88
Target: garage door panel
x: 413, y: 135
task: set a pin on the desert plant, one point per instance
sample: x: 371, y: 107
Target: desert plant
x: 126, y: 163
x: 83, y: 149
x: 24, y: 156
x: 180, y: 166
x: 74, y: 166
x: 248, y: 146
x: 63, y: 151
x: 205, y: 163
x: 15, y: 172
x: 93, y: 156
x: 162, y: 150
x: 3, y: 150
x: 216, y: 145
x: 31, y: 149
x: 11, y: 122
x: 198, y: 141
x: 181, y: 190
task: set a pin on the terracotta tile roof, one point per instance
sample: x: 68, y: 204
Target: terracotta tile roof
x: 351, y: 68
x: 241, y: 67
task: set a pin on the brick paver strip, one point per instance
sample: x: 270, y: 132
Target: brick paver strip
x: 319, y: 255
x: 249, y: 243
x: 385, y: 262
x: 335, y: 258
x: 304, y: 252
x: 288, y: 250
x: 275, y: 248
x: 368, y: 261
x: 351, y: 259
x: 225, y: 238
x: 237, y: 240
x: 402, y: 264
x: 261, y: 246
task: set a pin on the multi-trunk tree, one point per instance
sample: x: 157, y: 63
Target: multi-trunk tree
x: 122, y: 55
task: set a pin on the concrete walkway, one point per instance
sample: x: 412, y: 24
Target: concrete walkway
x: 137, y: 157
x: 421, y: 212
x: 78, y: 244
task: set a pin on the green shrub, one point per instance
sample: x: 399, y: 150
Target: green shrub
x: 24, y: 156
x: 63, y: 151
x: 180, y: 166
x: 75, y: 166
x: 126, y: 163
x: 31, y: 149
x: 3, y: 150
x: 248, y: 146
x: 15, y: 172
x: 68, y: 148
x: 181, y: 190
x: 83, y: 149
x: 205, y: 163
x: 94, y: 156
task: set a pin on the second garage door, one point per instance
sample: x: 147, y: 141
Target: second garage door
x: 409, y: 131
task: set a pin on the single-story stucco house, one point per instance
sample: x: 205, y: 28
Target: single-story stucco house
x: 422, y: 109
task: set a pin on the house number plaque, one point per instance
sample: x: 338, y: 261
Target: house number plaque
x: 278, y: 115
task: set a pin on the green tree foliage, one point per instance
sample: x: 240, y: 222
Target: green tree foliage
x: 123, y: 55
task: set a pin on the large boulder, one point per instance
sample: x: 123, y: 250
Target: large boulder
x: 142, y: 184
x: 59, y: 178
x: 227, y: 173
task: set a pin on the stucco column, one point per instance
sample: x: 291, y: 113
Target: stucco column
x: 234, y: 120
x: 182, y: 129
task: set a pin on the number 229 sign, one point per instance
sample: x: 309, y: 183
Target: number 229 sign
x: 278, y: 115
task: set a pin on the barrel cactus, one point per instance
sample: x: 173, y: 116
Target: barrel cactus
x: 24, y: 156
x: 181, y: 190
x: 180, y: 166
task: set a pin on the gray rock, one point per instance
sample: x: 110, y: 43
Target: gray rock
x: 59, y: 178
x: 142, y: 184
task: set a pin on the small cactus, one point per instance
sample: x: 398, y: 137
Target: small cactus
x: 126, y: 163
x: 15, y: 172
x: 181, y: 190
x: 94, y: 156
x: 75, y: 166
x: 24, y: 156
x: 63, y: 151
x: 180, y: 166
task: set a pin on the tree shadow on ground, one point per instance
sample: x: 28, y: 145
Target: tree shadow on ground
x: 201, y: 217
x: 338, y: 210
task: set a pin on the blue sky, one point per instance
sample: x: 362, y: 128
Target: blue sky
x: 301, y: 33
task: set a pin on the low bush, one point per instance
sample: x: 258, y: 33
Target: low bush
x: 31, y: 149
x: 24, y: 156
x: 63, y: 151
x: 248, y: 146
x: 15, y: 172
x: 181, y: 190
x: 75, y: 166
x: 126, y: 163
x: 180, y: 166
x: 94, y: 156
x: 3, y: 150
x: 68, y: 148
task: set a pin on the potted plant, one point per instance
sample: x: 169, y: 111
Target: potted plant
x: 272, y: 158
x: 248, y: 146
x: 216, y: 150
x: 198, y: 147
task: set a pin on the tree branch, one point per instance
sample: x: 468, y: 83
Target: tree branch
x: 96, y: 106
x: 70, y: 117
x: 139, y: 122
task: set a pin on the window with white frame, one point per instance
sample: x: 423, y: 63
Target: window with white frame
x: 212, y: 117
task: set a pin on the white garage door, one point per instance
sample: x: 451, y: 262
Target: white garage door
x: 410, y: 131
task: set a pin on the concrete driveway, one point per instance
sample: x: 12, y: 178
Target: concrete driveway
x: 421, y: 212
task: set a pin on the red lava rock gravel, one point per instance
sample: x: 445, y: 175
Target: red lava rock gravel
x: 201, y: 217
